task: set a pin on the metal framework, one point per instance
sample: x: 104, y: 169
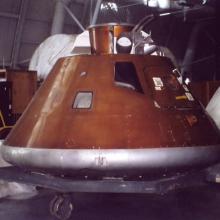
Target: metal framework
x: 72, y: 16
x: 9, y: 15
x: 114, y: 185
x: 3, y: 123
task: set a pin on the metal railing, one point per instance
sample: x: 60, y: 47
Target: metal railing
x: 3, y: 123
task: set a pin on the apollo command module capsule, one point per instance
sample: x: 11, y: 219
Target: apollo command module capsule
x: 119, y: 111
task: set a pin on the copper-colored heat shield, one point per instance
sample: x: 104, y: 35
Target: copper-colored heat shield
x: 153, y: 124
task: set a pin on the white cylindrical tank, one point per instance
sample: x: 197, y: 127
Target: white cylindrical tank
x: 49, y: 51
x: 56, y: 46
x: 213, y: 107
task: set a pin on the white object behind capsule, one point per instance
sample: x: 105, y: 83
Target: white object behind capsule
x: 55, y: 47
x: 49, y: 51
x: 213, y: 107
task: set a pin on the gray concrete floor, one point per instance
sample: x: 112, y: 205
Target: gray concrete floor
x: 197, y: 203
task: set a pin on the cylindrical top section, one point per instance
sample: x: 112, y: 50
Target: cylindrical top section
x: 103, y: 37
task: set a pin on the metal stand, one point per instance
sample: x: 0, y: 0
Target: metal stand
x: 61, y: 206
x: 65, y: 185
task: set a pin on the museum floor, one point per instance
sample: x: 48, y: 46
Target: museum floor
x: 197, y: 203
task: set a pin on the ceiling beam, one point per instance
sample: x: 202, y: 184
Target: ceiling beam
x: 8, y: 15
x: 85, y: 12
x: 73, y: 16
x: 96, y: 12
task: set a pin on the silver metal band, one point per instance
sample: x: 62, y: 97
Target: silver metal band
x: 111, y: 159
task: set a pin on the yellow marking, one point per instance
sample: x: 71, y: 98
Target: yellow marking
x: 2, y: 128
x: 2, y: 119
x: 3, y: 122
x: 181, y: 97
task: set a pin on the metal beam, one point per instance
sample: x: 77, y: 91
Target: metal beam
x: 85, y: 11
x: 8, y: 15
x: 73, y: 16
x: 96, y: 12
x: 109, y: 185
x: 18, y: 33
x: 90, y: 11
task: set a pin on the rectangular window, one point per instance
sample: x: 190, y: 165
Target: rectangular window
x: 126, y: 76
x: 83, y: 100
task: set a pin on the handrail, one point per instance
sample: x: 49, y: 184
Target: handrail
x: 3, y: 122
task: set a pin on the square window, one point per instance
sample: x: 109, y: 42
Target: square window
x: 83, y: 100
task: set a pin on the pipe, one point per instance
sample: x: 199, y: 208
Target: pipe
x: 58, y: 19
x: 59, y: 16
